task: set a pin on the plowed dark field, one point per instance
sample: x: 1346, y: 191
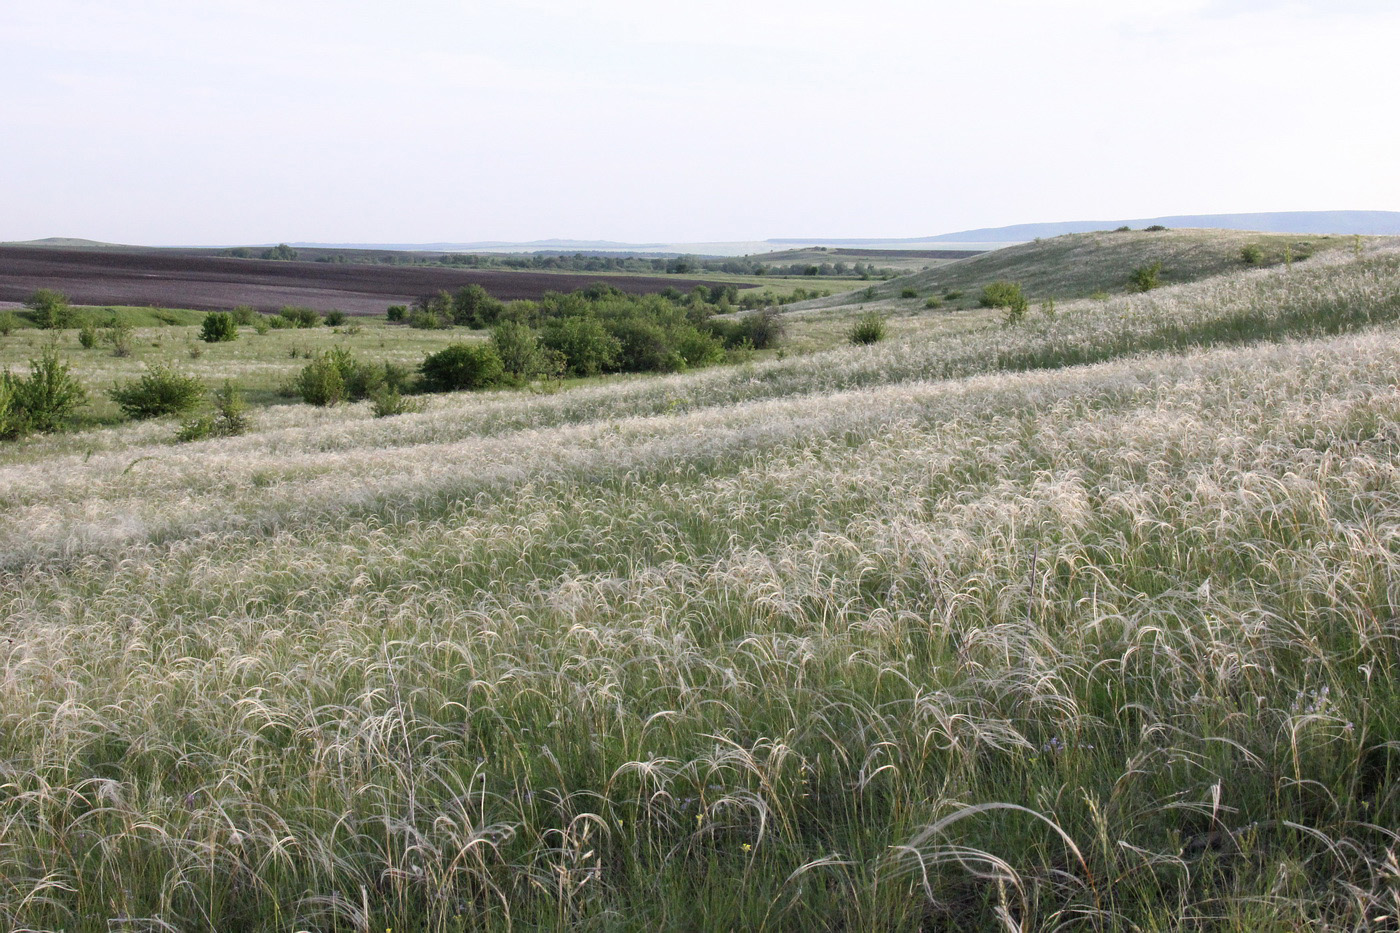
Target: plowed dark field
x: 175, y: 279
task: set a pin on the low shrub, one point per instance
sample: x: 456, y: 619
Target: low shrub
x: 229, y: 418
x: 218, y: 327
x: 1146, y: 278
x: 321, y: 382
x: 9, y: 321
x: 391, y: 402
x: 953, y: 295
x: 933, y: 302
x: 300, y: 317
x: 909, y: 293
x: 160, y: 391
x: 245, y: 315
x: 50, y: 309
x: 87, y: 335
x: 1155, y: 228
x: 1002, y: 295
x: 396, y: 313
x: 1251, y: 254
x: 335, y: 318
x: 462, y: 366
x: 45, y: 400
x: 869, y: 328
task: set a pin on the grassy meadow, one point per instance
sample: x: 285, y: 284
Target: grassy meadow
x: 1087, y: 622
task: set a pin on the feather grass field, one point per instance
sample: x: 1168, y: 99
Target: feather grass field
x: 1088, y: 623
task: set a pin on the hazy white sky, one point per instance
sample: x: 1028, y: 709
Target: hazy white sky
x: 166, y: 121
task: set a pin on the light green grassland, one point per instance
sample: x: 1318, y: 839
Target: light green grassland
x: 1087, y: 623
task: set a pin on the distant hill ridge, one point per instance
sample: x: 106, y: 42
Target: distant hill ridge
x: 1366, y: 223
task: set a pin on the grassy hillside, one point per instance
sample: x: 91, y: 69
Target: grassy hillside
x: 1085, y: 623
x: 1082, y: 264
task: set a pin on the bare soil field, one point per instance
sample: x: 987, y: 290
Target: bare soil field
x: 185, y: 280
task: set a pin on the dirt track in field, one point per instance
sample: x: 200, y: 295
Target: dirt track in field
x: 175, y: 279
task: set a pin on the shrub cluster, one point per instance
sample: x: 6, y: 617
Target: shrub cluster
x: 297, y: 317
x: 336, y: 376
x: 593, y: 330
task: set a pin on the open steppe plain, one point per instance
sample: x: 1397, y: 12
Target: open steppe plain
x: 1089, y: 621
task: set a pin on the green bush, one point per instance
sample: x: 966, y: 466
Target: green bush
x: 391, y: 402
x: 245, y: 315
x: 426, y: 320
x: 335, y: 318
x: 584, y: 343
x: 321, y: 382
x: 261, y: 325
x: 868, y: 328
x: 462, y: 366
x: 1155, y: 228
x: 519, y: 348
x: 280, y: 252
x: 87, y: 335
x: 229, y: 418
x: 1003, y: 295
x: 396, y: 313
x: 933, y: 302
x: 1145, y: 278
x: 161, y: 390
x: 45, y: 400
x: 300, y: 317
x: 908, y: 292
x: 1251, y: 254
x: 51, y: 309
x: 764, y: 329
x: 218, y: 327
x: 118, y: 334
x: 952, y: 295
x: 473, y: 307
x: 9, y: 321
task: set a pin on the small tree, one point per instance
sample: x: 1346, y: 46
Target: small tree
x: 1251, y: 254
x: 218, y: 327
x: 51, y: 309
x: 281, y: 252
x: 8, y: 322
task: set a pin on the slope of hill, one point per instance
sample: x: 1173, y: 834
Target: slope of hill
x: 933, y: 634
x: 1337, y: 223
x: 1081, y: 264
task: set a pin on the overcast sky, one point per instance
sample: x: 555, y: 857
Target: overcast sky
x: 171, y: 122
